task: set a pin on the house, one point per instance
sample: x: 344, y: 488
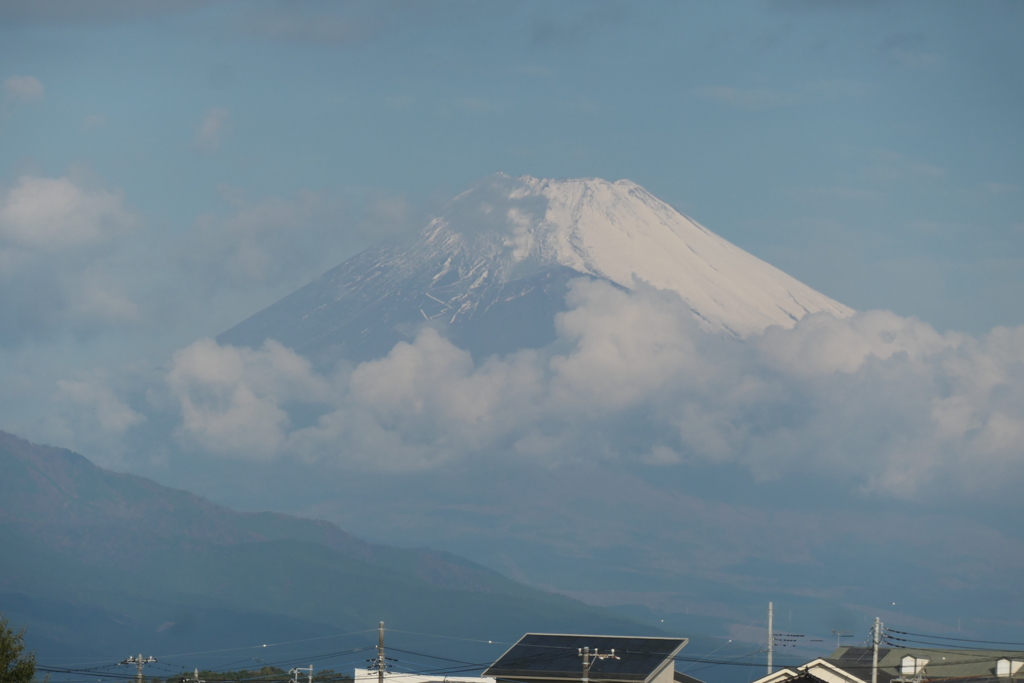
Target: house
x: 563, y: 658
x: 906, y: 665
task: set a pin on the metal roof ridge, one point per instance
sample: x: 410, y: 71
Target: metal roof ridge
x: 603, y: 635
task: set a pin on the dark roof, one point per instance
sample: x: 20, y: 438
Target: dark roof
x: 804, y: 677
x: 551, y: 657
x: 857, y: 661
x: 950, y: 664
x: 680, y: 677
x: 861, y: 655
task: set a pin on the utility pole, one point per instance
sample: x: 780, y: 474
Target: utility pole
x: 876, y: 635
x: 139, y: 663
x: 584, y: 652
x: 771, y: 640
x: 295, y: 673
x: 382, y: 663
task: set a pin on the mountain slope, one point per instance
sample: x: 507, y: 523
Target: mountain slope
x: 140, y: 562
x: 493, y: 269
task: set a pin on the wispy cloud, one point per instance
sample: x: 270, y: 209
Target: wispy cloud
x: 480, y: 105
x: 531, y: 71
x: 836, y: 88
x: 929, y: 170
x: 274, y: 240
x: 345, y: 23
x: 856, y: 194
x: 215, y: 126
x: 94, y: 394
x: 752, y: 98
x: 289, y: 24
x: 94, y: 121
x: 547, y: 29
x: 826, y: 5
x: 821, y: 90
x: 889, y: 165
x: 23, y: 89
x: 108, y: 11
x: 263, y: 242
x: 915, y: 60
x: 908, y: 50
x: 1000, y: 188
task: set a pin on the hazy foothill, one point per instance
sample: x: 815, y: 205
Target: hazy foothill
x: 692, y: 325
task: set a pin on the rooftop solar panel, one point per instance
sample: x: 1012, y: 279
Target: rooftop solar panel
x: 551, y: 657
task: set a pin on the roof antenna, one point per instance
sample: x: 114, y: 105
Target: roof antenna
x: 587, y: 662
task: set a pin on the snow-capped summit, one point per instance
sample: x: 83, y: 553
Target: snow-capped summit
x: 621, y: 232
x: 493, y: 268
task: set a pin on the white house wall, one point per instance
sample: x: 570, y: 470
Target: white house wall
x: 818, y: 668
x: 666, y: 675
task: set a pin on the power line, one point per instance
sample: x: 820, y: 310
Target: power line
x: 54, y: 669
x: 959, y: 640
x: 421, y: 654
x: 746, y: 657
x: 943, y: 646
x: 435, y: 635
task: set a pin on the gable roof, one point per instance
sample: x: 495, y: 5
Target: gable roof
x: 552, y: 657
x: 945, y: 663
x: 853, y: 665
x: 831, y: 671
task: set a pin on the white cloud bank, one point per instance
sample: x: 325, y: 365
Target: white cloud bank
x: 882, y: 401
x: 51, y: 273
x: 57, y: 214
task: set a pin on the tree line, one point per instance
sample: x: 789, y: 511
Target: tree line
x: 16, y: 665
x: 267, y: 674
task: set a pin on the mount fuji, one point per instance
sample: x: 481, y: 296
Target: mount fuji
x: 556, y: 480
x: 493, y: 268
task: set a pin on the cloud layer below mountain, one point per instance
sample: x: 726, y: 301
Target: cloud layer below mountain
x: 884, y: 402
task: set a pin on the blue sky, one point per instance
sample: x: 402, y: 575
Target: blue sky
x: 169, y: 168
x: 872, y: 149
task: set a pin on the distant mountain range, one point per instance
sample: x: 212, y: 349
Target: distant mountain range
x: 492, y: 269
x: 101, y: 564
x: 108, y: 564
